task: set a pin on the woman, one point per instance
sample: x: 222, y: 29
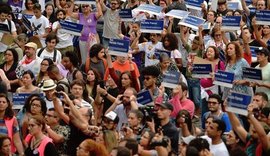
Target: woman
x: 233, y: 141
x: 92, y: 80
x: 108, y: 139
x: 28, y: 81
x: 89, y: 21
x: 49, y: 13
x: 212, y: 55
x: 37, y: 143
x: 184, y: 121
x: 135, y: 121
x: 235, y: 64
x: 37, y: 107
x: 216, y: 39
x: 145, y: 144
x: 29, y: 12
x: 9, y: 66
x: 5, y: 146
x: 90, y: 147
x: 166, y: 65
x: 9, y: 125
x: 43, y: 74
x: 170, y: 43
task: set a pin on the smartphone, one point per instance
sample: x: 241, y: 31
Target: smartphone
x: 101, y: 84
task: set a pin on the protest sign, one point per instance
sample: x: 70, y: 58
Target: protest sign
x: 179, y: 14
x: 194, y: 4
x: 158, y: 52
x: 19, y: 99
x: 224, y: 79
x: 253, y: 50
x: 201, y: 70
x: 263, y: 17
x: 171, y: 79
x: 71, y: 27
x: 214, y: 5
x: 118, y: 47
x: 4, y: 28
x: 233, y: 5
x: 152, y: 26
x: 145, y: 98
x: 86, y: 2
x: 238, y: 103
x: 126, y: 15
x: 192, y: 21
x: 230, y: 23
x: 252, y: 74
x: 151, y: 9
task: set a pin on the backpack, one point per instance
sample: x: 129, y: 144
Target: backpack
x: 54, y: 53
x: 88, y: 62
x: 9, y: 25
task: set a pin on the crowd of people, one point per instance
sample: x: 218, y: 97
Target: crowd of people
x: 81, y: 100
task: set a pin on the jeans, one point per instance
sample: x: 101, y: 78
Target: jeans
x: 194, y: 90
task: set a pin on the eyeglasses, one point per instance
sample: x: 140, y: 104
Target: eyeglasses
x: 36, y: 105
x: 217, y: 35
x: 85, y: 6
x: 211, y: 102
x: 51, y: 116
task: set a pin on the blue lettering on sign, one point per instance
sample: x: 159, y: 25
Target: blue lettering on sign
x: 152, y: 24
x: 225, y: 77
x: 151, y: 8
x: 238, y: 100
x: 144, y: 97
x: 193, y: 20
x: 119, y: 45
x: 201, y: 68
x: 171, y: 77
x: 253, y: 50
x: 231, y: 20
x: 71, y: 26
x: 196, y: 3
x: 125, y: 13
x: 252, y: 73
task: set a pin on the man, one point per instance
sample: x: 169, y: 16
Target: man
x: 77, y: 88
x: 65, y: 39
x: 168, y: 129
x: 49, y: 51
x: 54, y: 74
x: 215, y: 131
x: 59, y: 134
x: 150, y: 75
x: 222, y: 8
x: 111, y: 21
x: 179, y: 100
x: 148, y: 48
x: 260, y: 99
x: 40, y: 24
x: 48, y: 88
x: 110, y: 121
x: 123, y: 104
x: 30, y: 61
x: 214, y: 106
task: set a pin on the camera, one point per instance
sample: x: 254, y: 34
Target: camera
x: 164, y: 142
x: 58, y: 89
x: 148, y: 112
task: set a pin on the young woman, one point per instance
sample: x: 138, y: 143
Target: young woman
x: 170, y: 43
x: 9, y: 66
x: 235, y: 64
x: 9, y: 125
x: 135, y: 121
x: 212, y: 55
x: 37, y: 107
x: 89, y: 146
x: 92, y: 81
x: 144, y: 146
x: 36, y: 141
x: 5, y: 146
x: 29, y: 12
x: 28, y: 81
x: 108, y: 139
x: 49, y: 13
x: 43, y: 74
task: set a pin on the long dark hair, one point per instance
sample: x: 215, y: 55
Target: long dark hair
x: 8, y: 112
x: 27, y: 105
x: 96, y: 82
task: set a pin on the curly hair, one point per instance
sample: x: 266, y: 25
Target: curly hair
x: 94, y: 148
x: 238, y: 51
x: 172, y: 39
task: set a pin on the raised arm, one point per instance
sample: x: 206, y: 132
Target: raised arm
x: 99, y: 9
x: 244, y: 6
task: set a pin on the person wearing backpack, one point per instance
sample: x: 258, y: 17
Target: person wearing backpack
x: 49, y: 51
x: 214, y: 105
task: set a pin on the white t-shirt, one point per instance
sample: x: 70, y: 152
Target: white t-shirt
x: 45, y: 54
x: 34, y: 66
x: 65, y: 39
x: 39, y: 27
x: 265, y: 79
x: 149, y: 50
x: 219, y: 149
x: 41, y: 2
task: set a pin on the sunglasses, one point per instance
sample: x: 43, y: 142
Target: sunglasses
x: 85, y: 6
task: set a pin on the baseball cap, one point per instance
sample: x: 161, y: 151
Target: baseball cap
x: 112, y: 116
x: 31, y: 45
x: 166, y: 105
x: 262, y: 50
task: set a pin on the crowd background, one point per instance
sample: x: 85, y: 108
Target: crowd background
x: 83, y: 101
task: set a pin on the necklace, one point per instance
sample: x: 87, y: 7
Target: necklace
x: 35, y: 143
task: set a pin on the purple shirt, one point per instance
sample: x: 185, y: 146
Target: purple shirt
x: 16, y: 7
x: 89, y: 25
